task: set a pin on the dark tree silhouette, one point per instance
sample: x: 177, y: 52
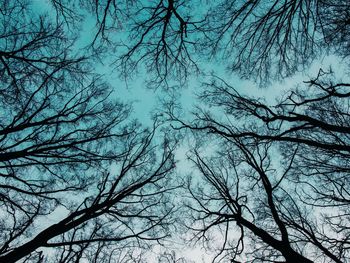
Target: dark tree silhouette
x: 260, y: 40
x: 276, y: 38
x: 127, y: 204
x: 78, y: 180
x: 162, y: 39
x: 277, y: 187
x: 156, y: 34
x: 81, y: 181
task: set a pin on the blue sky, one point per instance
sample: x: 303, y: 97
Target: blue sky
x: 146, y: 101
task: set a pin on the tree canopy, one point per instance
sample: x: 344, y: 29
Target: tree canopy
x: 244, y: 178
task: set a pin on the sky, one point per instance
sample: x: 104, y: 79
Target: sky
x: 146, y: 101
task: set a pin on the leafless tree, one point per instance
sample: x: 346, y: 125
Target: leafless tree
x: 162, y: 38
x: 277, y: 187
x: 122, y: 208
x: 156, y: 34
x: 78, y: 180
x: 258, y: 39
x: 81, y: 181
x: 276, y: 38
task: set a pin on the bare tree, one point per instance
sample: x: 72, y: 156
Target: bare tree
x: 275, y: 39
x: 69, y: 155
x: 277, y: 188
x: 259, y: 40
x: 80, y: 181
x: 162, y: 38
x: 127, y: 204
x: 155, y: 34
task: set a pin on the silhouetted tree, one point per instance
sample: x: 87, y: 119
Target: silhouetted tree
x: 277, y: 187
x: 81, y: 181
x: 78, y: 180
x: 258, y: 39
x: 156, y: 34
x: 276, y: 38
